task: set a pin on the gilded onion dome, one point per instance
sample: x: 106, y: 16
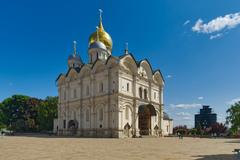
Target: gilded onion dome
x: 101, y: 35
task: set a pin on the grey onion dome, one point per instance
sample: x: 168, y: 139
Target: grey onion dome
x: 74, y: 57
x: 74, y: 60
x: 97, y: 44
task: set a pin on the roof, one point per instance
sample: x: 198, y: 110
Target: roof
x: 117, y: 58
x: 166, y: 116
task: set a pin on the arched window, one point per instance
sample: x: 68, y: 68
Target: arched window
x: 145, y: 93
x: 127, y: 113
x: 101, y: 114
x: 140, y: 92
x: 87, y: 115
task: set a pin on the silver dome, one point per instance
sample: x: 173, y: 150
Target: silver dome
x: 97, y: 44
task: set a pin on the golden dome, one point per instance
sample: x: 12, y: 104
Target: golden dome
x: 103, y: 37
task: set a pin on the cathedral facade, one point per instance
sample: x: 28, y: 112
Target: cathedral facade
x: 109, y: 96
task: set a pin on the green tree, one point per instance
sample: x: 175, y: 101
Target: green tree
x: 19, y: 112
x: 2, y: 118
x: 193, y: 131
x: 14, y: 109
x: 47, y: 111
x: 233, y: 117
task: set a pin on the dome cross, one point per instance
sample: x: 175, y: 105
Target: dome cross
x: 74, y: 48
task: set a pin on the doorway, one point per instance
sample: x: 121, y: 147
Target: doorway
x: 145, y: 112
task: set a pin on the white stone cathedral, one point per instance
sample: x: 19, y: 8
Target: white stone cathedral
x: 110, y: 96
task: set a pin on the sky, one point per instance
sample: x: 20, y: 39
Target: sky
x: 194, y: 43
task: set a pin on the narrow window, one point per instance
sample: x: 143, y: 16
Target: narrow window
x: 101, y: 87
x: 87, y: 90
x: 74, y: 115
x: 140, y: 92
x: 87, y: 115
x: 64, y: 123
x: 145, y: 93
x: 155, y: 95
x: 74, y: 93
x: 101, y: 114
x: 127, y: 86
x: 64, y: 95
x: 126, y: 113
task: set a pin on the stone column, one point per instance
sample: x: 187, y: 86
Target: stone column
x: 135, y: 108
x: 108, y: 91
x: 161, y: 109
x: 81, y: 105
x: 150, y: 91
x: 67, y: 106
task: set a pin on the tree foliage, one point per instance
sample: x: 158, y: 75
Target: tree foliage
x: 27, y: 114
x: 218, y: 128
x: 47, y: 111
x: 180, y: 129
x: 233, y: 117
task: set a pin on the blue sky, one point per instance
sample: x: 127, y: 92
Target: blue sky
x: 194, y: 43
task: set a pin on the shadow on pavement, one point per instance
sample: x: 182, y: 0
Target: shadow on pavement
x: 217, y: 157
x: 233, y: 141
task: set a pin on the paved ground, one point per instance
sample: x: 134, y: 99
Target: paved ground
x: 52, y: 148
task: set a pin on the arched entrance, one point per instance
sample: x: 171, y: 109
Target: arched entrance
x: 144, y: 118
x: 73, y: 126
x: 127, y: 128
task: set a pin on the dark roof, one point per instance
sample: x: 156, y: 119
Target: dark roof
x: 166, y: 116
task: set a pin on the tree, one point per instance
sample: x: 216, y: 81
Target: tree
x: 47, y: 111
x: 180, y: 129
x: 218, y: 128
x: 2, y: 116
x: 28, y: 114
x: 233, y: 117
x: 14, y: 109
x: 193, y: 132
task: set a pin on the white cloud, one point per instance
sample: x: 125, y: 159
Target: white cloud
x: 185, y: 106
x: 169, y: 76
x: 186, y: 22
x: 218, y: 24
x: 219, y: 35
x: 183, y: 114
x: 186, y: 118
x: 233, y: 101
x: 200, y: 98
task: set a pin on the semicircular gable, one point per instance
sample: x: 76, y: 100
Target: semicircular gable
x: 147, y: 67
x: 61, y: 79
x: 98, y: 66
x: 111, y: 61
x: 85, y: 71
x: 71, y: 74
x: 129, y: 63
x: 158, y: 78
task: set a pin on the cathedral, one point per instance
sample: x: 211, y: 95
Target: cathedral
x: 110, y: 96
